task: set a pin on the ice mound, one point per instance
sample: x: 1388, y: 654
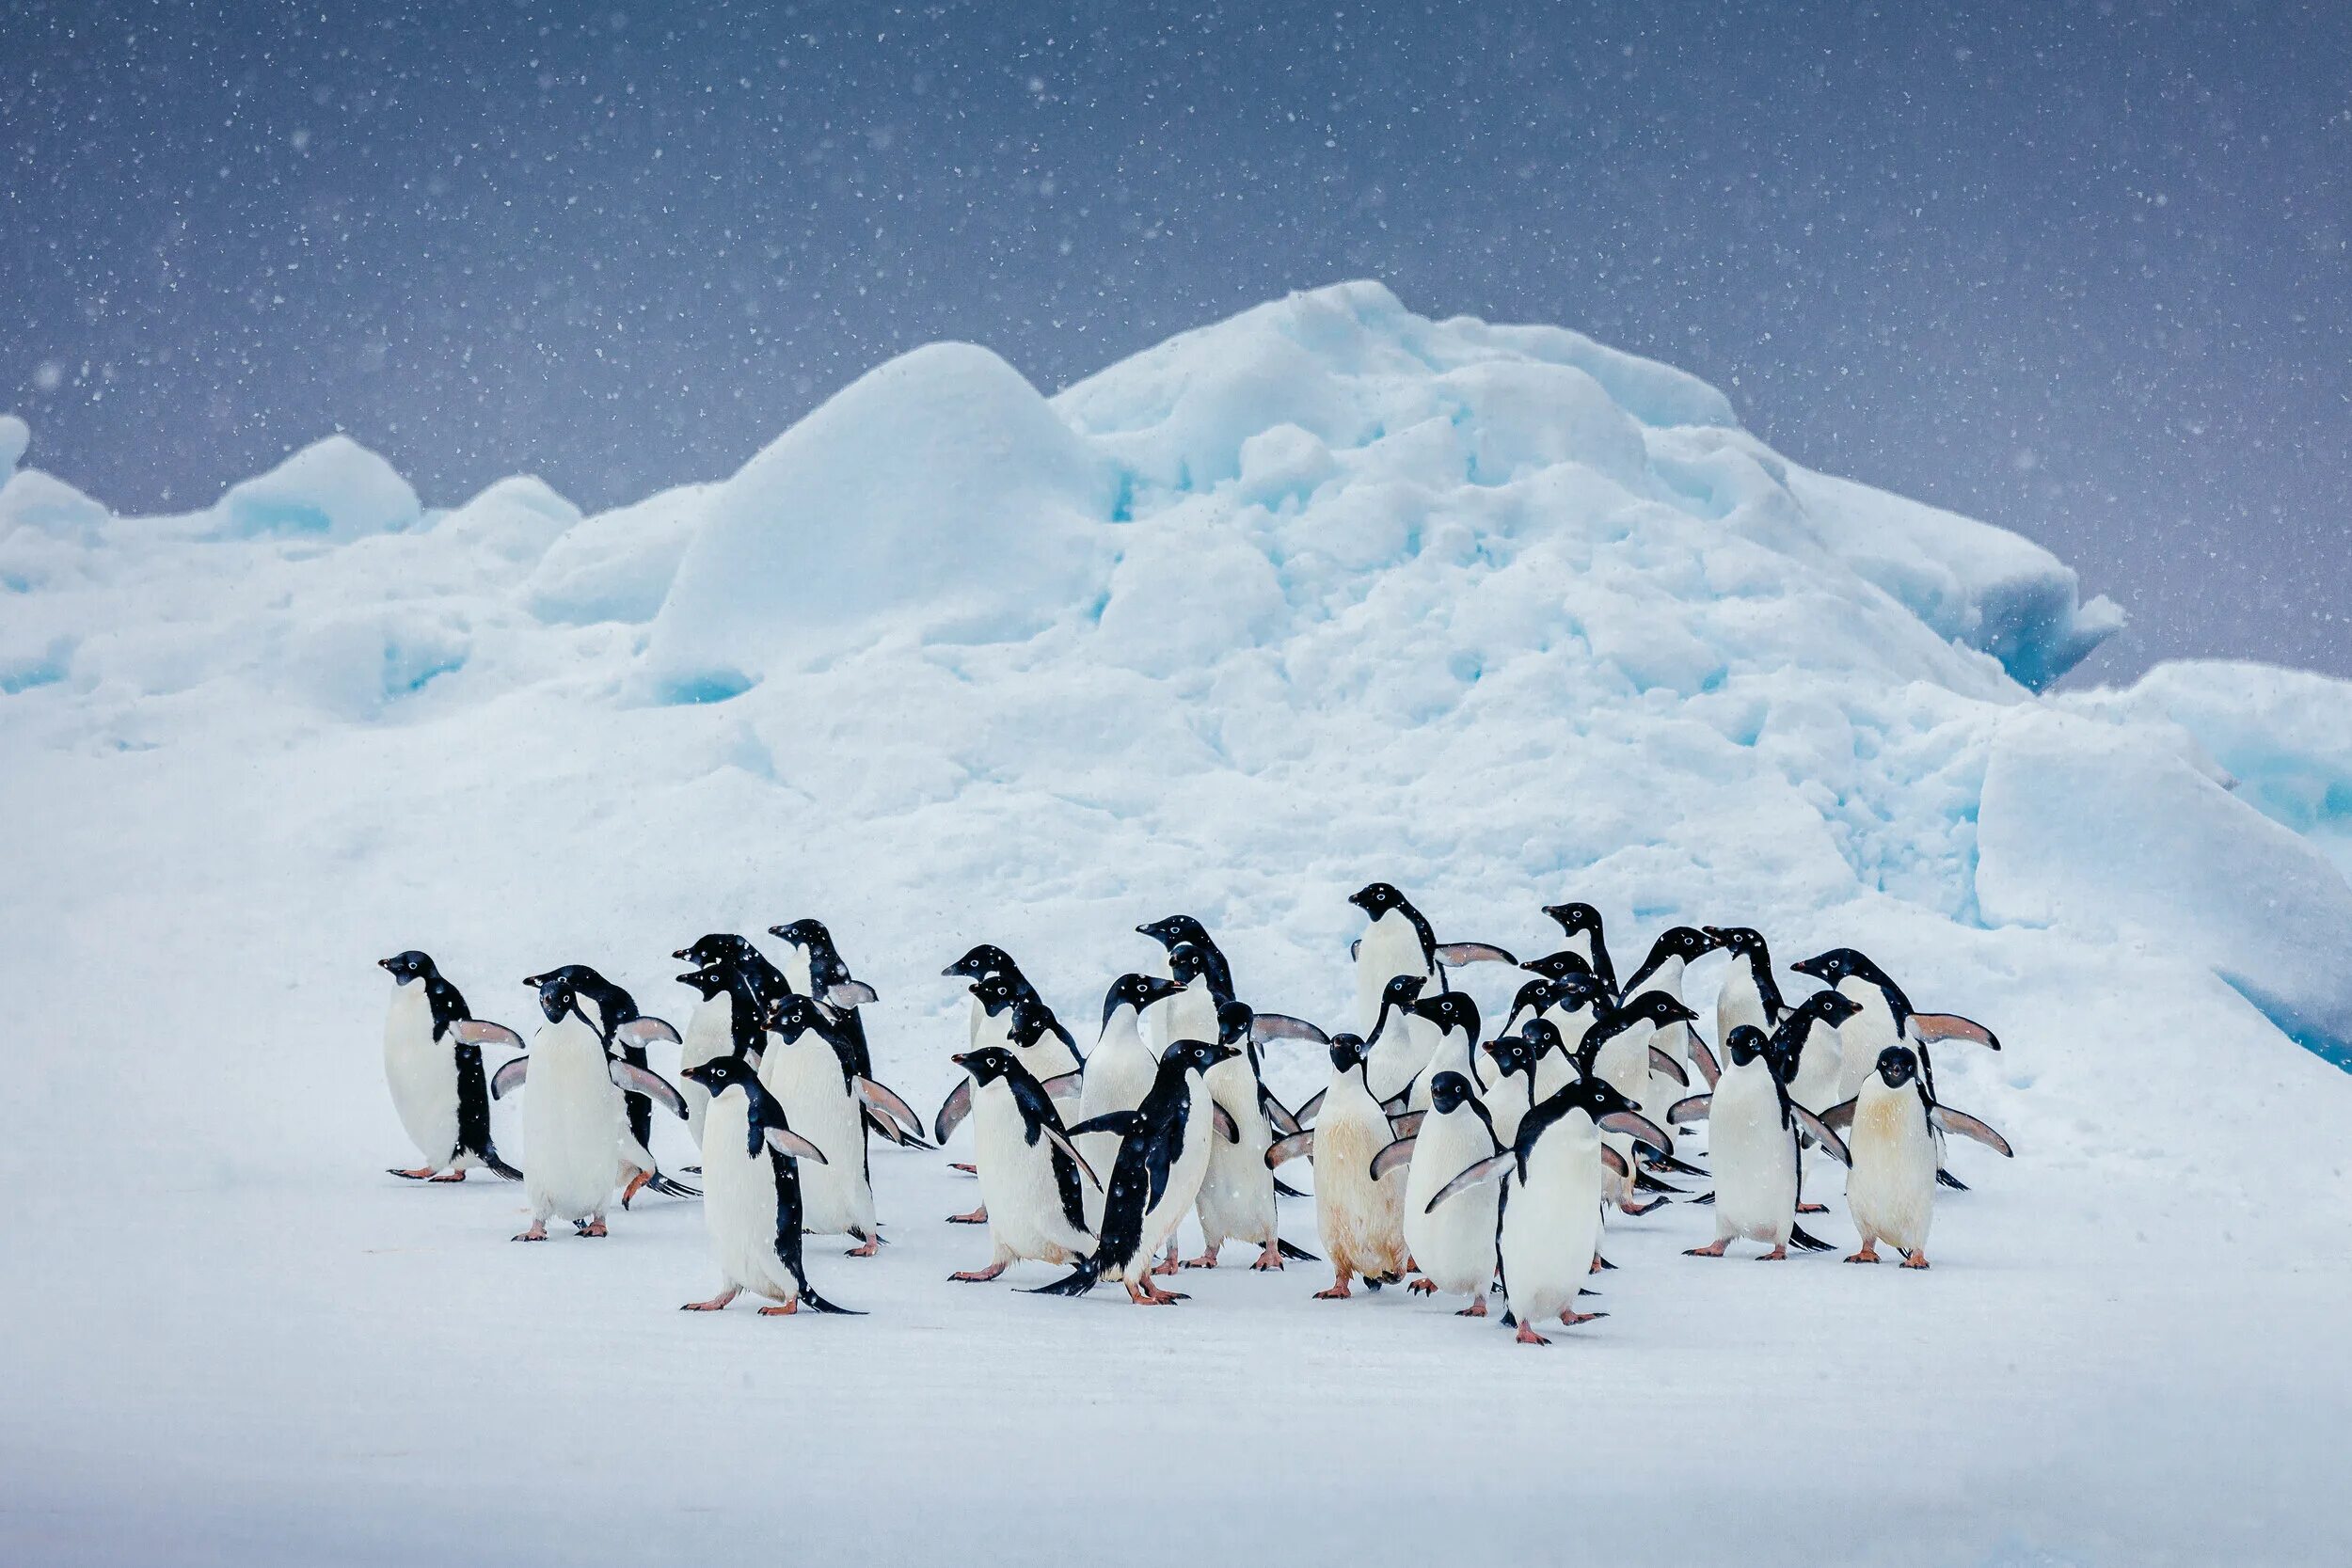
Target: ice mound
x: 335, y: 489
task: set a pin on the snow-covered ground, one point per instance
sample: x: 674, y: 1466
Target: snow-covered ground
x: 1322, y: 594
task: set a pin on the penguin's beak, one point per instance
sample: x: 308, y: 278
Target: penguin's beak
x: 775, y: 930
x: 383, y: 963
x: 683, y: 953
x: 957, y: 1058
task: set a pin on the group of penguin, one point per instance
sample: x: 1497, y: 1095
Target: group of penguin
x: 1478, y: 1164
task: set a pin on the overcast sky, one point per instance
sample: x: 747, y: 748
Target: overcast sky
x: 2083, y: 270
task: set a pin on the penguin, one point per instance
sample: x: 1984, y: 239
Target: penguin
x: 815, y: 966
x: 1621, y: 1051
x: 1509, y: 1093
x: 1455, y: 1016
x: 1551, y: 1196
x: 1008, y: 1005
x: 1399, y: 941
x: 433, y: 1064
x: 729, y: 1021
x: 1163, y: 1154
x: 726, y: 949
x: 1453, y: 1247
x: 1753, y: 1145
x: 752, y: 1163
x: 1560, y: 966
x: 1179, y: 929
x: 1236, y: 1199
x: 984, y: 963
x: 806, y: 1070
x: 1570, y: 1007
x: 1750, y: 995
x: 626, y: 1032
x: 1359, y: 1214
x: 1119, y: 1071
x: 1579, y: 930
x: 1400, y: 1044
x: 1191, y: 1014
x: 1890, y: 1133
x: 1675, y: 950
x: 1032, y: 1176
x: 574, y: 1109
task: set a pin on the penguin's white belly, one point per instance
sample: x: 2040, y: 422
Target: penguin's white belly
x: 1118, y: 1076
x: 1400, y: 1058
x: 1191, y: 1014
x: 1891, y: 1189
x: 571, y: 1123
x: 1049, y: 1058
x: 1753, y: 1158
x: 1236, y: 1199
x: 710, y: 1034
x: 1454, y: 1247
x: 1361, y: 1220
x: 1024, y: 1212
x: 1452, y: 1056
x: 805, y: 1078
x: 1860, y: 1038
x: 1624, y: 1065
x: 1738, y: 1003
x: 1507, y: 1106
x: 740, y: 1203
x: 1390, y: 947
x: 1551, y: 1224
x: 1554, y: 1071
x: 422, y: 1074
x: 1815, y: 1086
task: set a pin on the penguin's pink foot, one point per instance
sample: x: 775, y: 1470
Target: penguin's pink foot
x: 785, y: 1311
x: 1422, y: 1287
x: 871, y: 1246
x: 1714, y: 1251
x: 1812, y: 1207
x: 1600, y: 1265
x: 1270, y: 1259
x: 1475, y: 1309
x: 1158, y: 1297
x: 715, y: 1303
x: 636, y: 1185
x: 978, y: 1216
x: 422, y: 1173
x: 593, y: 1228
x: 1165, y: 1265
x: 1206, y: 1261
x: 967, y: 1170
x: 1869, y: 1254
x: 1137, y: 1295
x: 1529, y: 1337
x: 1339, y: 1290
x: 978, y: 1276
x: 1914, y: 1260
x: 1778, y: 1254
x: 536, y: 1233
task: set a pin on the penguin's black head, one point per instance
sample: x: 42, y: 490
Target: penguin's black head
x: 986, y: 1065
x: 1447, y: 1091
x: 1682, y: 942
x: 1536, y: 995
x: 1402, y: 992
x: 1175, y: 928
x: 1656, y: 1007
x: 1838, y: 964
x: 790, y: 1015
x: 557, y: 994
x: 1747, y: 1042
x: 996, y: 993
x: 1558, y: 966
x: 1744, y: 939
x: 1541, y: 1034
x: 803, y: 933
x: 1199, y: 1056
x: 1450, y: 1011
x: 1232, y: 1023
x: 1898, y: 1066
x: 710, y: 980
x: 983, y: 960
x: 1599, y: 1097
x: 1138, y: 991
x: 719, y: 1074
x: 404, y: 967
x: 1186, y: 962
x: 1348, y: 1052
x: 1376, y: 898
x: 1514, y: 1053
x: 1831, y: 1007
x: 1573, y: 918
x: 1031, y: 1019
x: 717, y: 948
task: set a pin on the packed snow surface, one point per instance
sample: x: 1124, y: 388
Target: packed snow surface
x: 1322, y: 594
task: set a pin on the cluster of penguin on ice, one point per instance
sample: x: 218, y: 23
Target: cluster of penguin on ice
x: 1478, y: 1164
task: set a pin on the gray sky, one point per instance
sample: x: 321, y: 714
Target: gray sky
x: 2081, y: 269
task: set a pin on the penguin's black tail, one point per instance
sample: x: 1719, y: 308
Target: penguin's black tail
x: 1296, y: 1254
x: 1704, y: 1197
x: 1797, y: 1238
x: 498, y: 1167
x: 1946, y: 1179
x: 1077, y: 1282
x: 1667, y: 1162
x: 818, y: 1304
x: 1286, y: 1190
x: 671, y: 1187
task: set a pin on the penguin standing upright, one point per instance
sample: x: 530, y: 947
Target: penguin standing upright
x: 1568, y: 1006
x: 1119, y: 1071
x: 1454, y: 1018
x: 985, y: 962
x: 1551, y: 1196
x: 1753, y: 1145
x: 1004, y: 1001
x: 1400, y: 942
x: 1163, y: 1154
x: 1359, y: 1214
x: 752, y: 1163
x: 1622, y: 1050
x: 573, y: 1113
x: 1236, y: 1199
x: 1032, y: 1177
x: 1454, y: 1246
x: 1886, y: 1018
x: 814, y: 964
x: 735, y: 981
x: 806, y: 1070
x: 1890, y: 1185
x: 1676, y: 949
x: 627, y: 1032
x: 1509, y: 1091
x: 1400, y: 1044
x: 1750, y: 995
x: 433, y: 1064
x: 1580, y: 934
x: 1182, y: 931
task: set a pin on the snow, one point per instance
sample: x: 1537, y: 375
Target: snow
x: 1323, y: 593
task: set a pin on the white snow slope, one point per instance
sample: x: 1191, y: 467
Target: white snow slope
x: 1322, y: 594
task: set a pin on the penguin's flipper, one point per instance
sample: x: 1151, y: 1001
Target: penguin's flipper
x: 1283, y: 1189
x: 498, y: 1167
x: 1969, y: 1127
x: 1645, y: 1183
x: 1388, y: 1159
x: 1640, y: 1129
x: 1638, y: 1209
x: 1797, y: 1238
x: 1484, y: 1170
x: 1839, y: 1117
x: 1118, y: 1122
x: 1064, y: 1086
x: 1680, y: 1167
x: 1227, y: 1128
x: 1667, y: 1066
x: 1408, y: 1124
x: 1281, y: 1026
x: 1831, y: 1144
x: 1061, y: 1141
x: 1933, y: 1028
x: 1296, y: 1254
x: 1946, y: 1179
x: 847, y: 994
x: 1290, y: 1148
x: 1307, y: 1111
x: 1693, y: 1109
x: 1077, y: 1282
x: 481, y: 1031
x: 1474, y: 953
x: 1278, y: 1115
x: 890, y: 1130
x: 1704, y: 1057
x: 1614, y: 1161
x: 952, y: 1110
x: 642, y: 1032
x: 885, y: 1098
x: 509, y: 1077
x: 785, y: 1141
x: 637, y: 1080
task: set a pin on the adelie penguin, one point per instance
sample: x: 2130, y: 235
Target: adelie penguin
x: 1580, y: 933
x: 1183, y: 929
x: 1120, y: 1070
x: 433, y: 1064
x: 627, y: 1032
x: 1551, y: 1196
x: 1753, y: 1143
x: 1163, y: 1153
x: 1399, y: 941
x: 985, y: 961
x: 752, y: 1163
x: 1032, y: 1177
x: 814, y: 966
x: 572, y: 1111
x: 1886, y: 1018
x: 1622, y: 1050
x: 1890, y: 1186
x: 735, y: 981
x: 1676, y: 949
x: 1750, y: 994
x: 809, y: 1069
x: 1452, y: 1246
x: 1358, y: 1213
x: 1236, y: 1201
